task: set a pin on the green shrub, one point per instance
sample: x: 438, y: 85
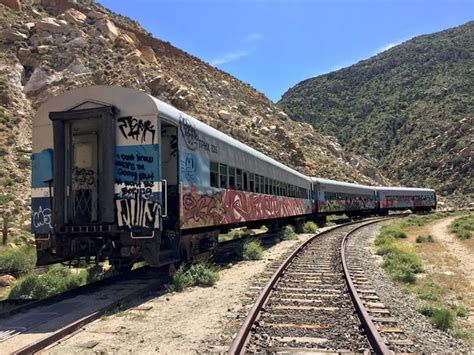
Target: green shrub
x: 441, y: 318
x: 288, y: 233
x: 430, y: 239
x: 17, y: 261
x: 24, y: 162
x: 57, y: 279
x: 8, y: 182
x: 202, y: 274
x: 181, y: 279
x: 94, y: 273
x: 310, y: 227
x: 463, y: 227
x: 402, y: 263
x: 252, y: 250
x: 420, y: 239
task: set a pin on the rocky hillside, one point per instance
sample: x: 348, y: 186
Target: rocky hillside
x: 50, y: 46
x: 410, y: 108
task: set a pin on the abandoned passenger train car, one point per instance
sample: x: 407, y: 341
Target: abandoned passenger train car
x: 118, y: 174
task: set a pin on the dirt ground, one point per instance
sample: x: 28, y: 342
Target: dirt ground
x: 449, y: 262
x: 187, y: 322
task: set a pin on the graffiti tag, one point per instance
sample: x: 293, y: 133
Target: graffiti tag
x: 138, y: 212
x: 42, y: 217
x: 136, y: 129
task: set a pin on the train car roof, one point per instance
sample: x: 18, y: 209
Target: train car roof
x: 135, y: 103
x: 173, y: 113
x: 401, y: 189
x: 339, y: 183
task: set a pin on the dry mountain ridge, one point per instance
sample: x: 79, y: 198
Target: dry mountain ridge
x: 50, y: 46
x: 409, y: 108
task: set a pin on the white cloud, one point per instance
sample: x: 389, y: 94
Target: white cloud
x: 253, y: 37
x: 230, y: 57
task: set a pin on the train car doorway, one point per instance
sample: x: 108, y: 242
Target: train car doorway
x: 84, y: 143
x: 169, y: 168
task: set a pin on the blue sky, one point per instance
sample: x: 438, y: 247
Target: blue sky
x: 274, y: 44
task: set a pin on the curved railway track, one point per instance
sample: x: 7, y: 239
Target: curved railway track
x: 36, y: 325
x: 311, y: 303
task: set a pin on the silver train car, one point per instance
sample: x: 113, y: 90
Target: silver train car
x: 118, y: 174
x: 403, y: 198
x: 336, y: 197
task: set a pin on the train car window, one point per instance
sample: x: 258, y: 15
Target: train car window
x: 246, y: 181
x: 223, y: 176
x: 214, y: 173
x: 231, y: 178
x: 252, y: 182
x: 257, y: 183
x: 239, y: 179
x: 278, y: 192
x: 285, y: 189
x: 262, y: 184
x: 266, y: 186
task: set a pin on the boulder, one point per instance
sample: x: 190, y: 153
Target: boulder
x: 10, y: 35
x: 134, y: 56
x: 44, y: 49
x: 96, y: 15
x: 107, y: 28
x: 282, y: 115
x: 74, y: 16
x: 125, y: 41
x: 148, y: 54
x: 7, y: 280
x: 51, y: 25
x: 77, y: 67
x: 24, y: 52
x: 78, y: 42
x: 12, y: 4
x: 225, y: 115
x: 40, y: 78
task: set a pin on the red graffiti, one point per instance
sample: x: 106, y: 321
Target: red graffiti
x: 201, y: 210
x: 232, y: 206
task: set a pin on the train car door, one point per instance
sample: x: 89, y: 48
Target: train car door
x: 85, y: 162
x: 169, y: 168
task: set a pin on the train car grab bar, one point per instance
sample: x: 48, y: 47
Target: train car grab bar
x: 165, y: 192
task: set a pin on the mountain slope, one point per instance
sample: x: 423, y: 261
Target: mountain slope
x: 411, y: 108
x: 51, y: 46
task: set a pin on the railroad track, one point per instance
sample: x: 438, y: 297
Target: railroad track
x: 311, y: 303
x: 38, y: 324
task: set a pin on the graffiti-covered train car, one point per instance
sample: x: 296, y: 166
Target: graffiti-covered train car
x: 402, y: 198
x: 121, y: 175
x: 336, y: 197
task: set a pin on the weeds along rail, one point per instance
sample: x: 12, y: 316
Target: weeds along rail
x: 307, y: 303
x: 36, y: 325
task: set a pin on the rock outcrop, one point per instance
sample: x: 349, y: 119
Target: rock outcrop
x: 55, y: 45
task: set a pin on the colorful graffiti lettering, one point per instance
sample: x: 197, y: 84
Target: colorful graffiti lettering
x: 203, y: 210
x: 42, y: 217
x: 138, y: 212
x: 232, y: 206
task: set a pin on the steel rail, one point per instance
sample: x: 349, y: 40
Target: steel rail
x: 74, y: 326
x: 243, y: 336
x: 373, y: 335
x: 84, y: 289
